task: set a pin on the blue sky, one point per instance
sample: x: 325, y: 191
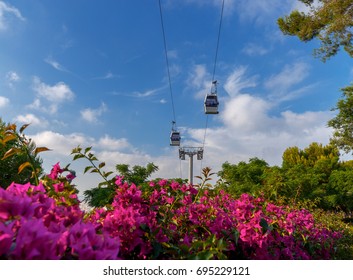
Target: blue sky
x: 93, y: 73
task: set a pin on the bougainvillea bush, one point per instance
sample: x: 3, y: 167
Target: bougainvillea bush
x: 167, y: 220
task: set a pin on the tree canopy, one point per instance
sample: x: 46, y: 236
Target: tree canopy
x: 16, y: 155
x: 342, y: 123
x: 312, y: 174
x: 138, y: 175
x: 330, y: 21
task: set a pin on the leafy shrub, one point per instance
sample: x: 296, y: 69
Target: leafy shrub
x: 167, y: 221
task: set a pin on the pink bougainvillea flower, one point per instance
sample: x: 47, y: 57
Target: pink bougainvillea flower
x: 33, y: 241
x: 71, y: 175
x: 6, y: 237
x: 166, y: 221
x: 59, y: 187
x: 163, y: 182
x: 119, y: 180
x: 55, y: 171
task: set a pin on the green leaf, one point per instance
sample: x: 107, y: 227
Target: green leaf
x: 264, y: 225
x: 23, y: 166
x: 220, y: 244
x: 11, y: 152
x: 9, y: 137
x: 106, y: 174
x: 87, y: 150
x: 236, y: 236
x: 76, y: 150
x: 11, y: 127
x: 77, y: 156
x: 101, y: 165
x: 23, y: 127
x: 204, y: 255
x: 40, y: 149
x: 102, y: 184
x: 87, y: 168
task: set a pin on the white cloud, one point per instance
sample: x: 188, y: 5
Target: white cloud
x: 107, y: 149
x: 147, y: 93
x: 236, y: 81
x: 59, y: 92
x: 262, y: 11
x: 110, y: 143
x: 289, y: 76
x: 281, y: 85
x: 173, y: 54
x: 108, y: 76
x: 246, y: 112
x: 198, y: 76
x: 248, y: 128
x: 4, y: 101
x: 5, y: 12
x: 91, y: 115
x: 31, y: 119
x: 61, y: 144
x: 228, y: 4
x: 141, y: 94
x: 200, y: 80
x: 35, y: 105
x: 297, y: 5
x: 253, y: 49
x: 55, y: 64
x: 55, y: 95
x: 11, y: 78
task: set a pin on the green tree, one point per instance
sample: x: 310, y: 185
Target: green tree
x: 19, y: 160
x: 340, y: 190
x: 103, y: 195
x: 243, y: 177
x: 307, y: 172
x: 138, y: 174
x: 342, y: 123
x: 331, y: 22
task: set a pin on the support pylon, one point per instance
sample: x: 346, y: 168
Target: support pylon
x: 191, y: 151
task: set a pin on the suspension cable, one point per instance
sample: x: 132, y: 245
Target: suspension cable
x: 168, y: 72
x: 213, y: 74
x: 218, y: 39
x: 167, y: 60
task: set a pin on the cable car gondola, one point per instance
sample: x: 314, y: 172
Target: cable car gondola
x: 211, y: 100
x: 174, y: 136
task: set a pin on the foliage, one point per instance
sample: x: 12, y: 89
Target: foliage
x: 103, y: 194
x: 60, y: 187
x: 331, y: 22
x: 243, y: 177
x: 138, y: 174
x: 313, y: 173
x: 342, y: 123
x: 168, y: 221
x: 334, y: 221
x: 19, y: 156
